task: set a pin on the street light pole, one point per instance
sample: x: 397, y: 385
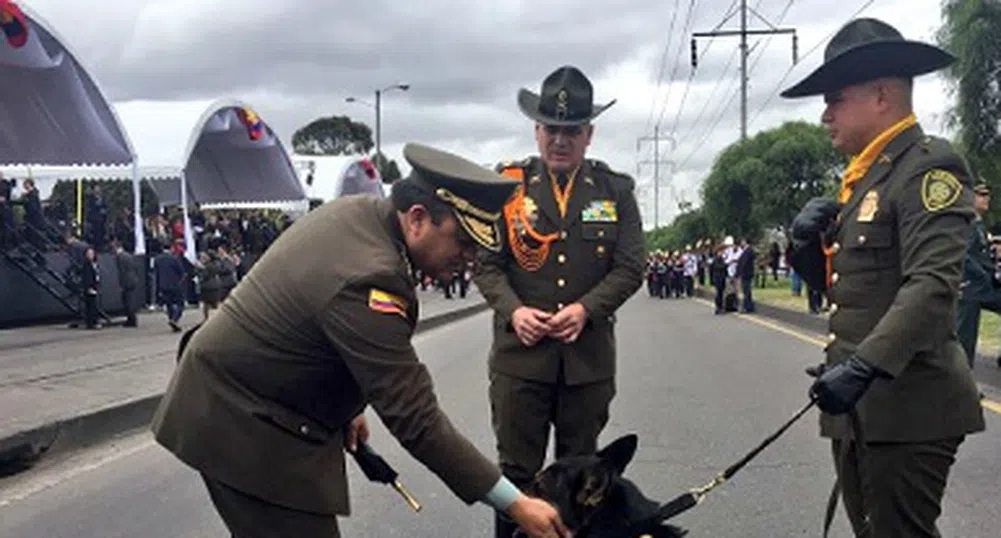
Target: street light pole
x: 378, y: 121
x: 378, y: 128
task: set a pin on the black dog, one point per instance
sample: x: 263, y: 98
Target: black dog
x: 595, y: 501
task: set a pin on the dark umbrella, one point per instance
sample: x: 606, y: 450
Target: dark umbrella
x: 377, y: 470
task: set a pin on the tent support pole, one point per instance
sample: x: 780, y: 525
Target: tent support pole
x: 189, y: 237
x: 140, y: 235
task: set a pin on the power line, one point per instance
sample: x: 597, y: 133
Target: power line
x: 677, y: 60
x: 808, y: 53
x: 677, y: 118
x: 719, y: 117
x: 743, y: 33
x: 709, y: 99
x: 663, y: 63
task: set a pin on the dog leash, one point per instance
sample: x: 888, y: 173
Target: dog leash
x: 695, y: 496
x: 862, y: 455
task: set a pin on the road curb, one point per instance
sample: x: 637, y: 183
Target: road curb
x: 24, y: 449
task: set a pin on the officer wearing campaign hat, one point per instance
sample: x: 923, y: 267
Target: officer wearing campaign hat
x: 573, y: 254
x: 269, y: 391
x: 889, y: 251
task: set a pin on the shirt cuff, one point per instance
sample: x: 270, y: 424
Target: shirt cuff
x: 502, y: 495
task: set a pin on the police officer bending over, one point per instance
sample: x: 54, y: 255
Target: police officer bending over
x: 270, y: 390
x: 894, y: 244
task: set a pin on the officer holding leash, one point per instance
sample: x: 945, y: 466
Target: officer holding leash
x: 890, y: 253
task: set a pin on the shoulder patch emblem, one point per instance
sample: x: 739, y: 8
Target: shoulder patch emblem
x: 387, y: 303
x: 939, y: 189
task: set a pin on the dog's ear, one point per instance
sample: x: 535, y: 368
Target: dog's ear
x: 593, y: 487
x: 619, y: 453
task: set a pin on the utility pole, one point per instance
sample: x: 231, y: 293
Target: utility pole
x: 656, y: 138
x: 743, y: 33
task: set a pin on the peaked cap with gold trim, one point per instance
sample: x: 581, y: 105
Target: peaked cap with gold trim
x: 475, y: 194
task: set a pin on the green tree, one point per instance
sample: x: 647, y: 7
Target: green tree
x: 388, y: 169
x: 340, y: 135
x: 686, y: 229
x: 765, y: 180
x: 971, y: 31
x: 334, y: 135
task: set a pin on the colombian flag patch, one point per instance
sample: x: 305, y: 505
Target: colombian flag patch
x: 383, y: 301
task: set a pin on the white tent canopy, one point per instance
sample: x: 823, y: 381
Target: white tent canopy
x: 221, y: 152
x: 212, y: 146
x: 52, y: 112
x: 326, y: 177
x: 225, y: 154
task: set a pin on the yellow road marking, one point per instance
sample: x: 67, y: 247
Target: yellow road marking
x: 988, y: 404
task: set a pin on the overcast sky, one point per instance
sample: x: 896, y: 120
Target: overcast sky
x: 295, y: 60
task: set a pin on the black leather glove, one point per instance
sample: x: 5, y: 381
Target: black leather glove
x: 813, y: 220
x: 839, y: 386
x: 815, y: 371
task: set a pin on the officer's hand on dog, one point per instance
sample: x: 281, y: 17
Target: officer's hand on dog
x: 538, y: 518
x: 839, y: 386
x: 567, y: 324
x: 530, y: 324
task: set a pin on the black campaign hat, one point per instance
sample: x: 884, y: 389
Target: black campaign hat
x: 566, y: 98
x: 476, y: 194
x: 866, y: 49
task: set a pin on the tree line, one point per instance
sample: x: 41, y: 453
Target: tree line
x: 761, y: 183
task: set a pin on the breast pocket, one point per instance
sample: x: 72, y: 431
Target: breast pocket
x: 871, y: 249
x: 600, y: 238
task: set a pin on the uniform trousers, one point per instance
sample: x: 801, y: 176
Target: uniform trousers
x: 523, y: 412
x: 906, y: 483
x: 247, y: 516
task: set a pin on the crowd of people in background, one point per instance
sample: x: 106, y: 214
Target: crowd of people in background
x: 227, y: 242
x: 733, y: 269
x: 727, y: 266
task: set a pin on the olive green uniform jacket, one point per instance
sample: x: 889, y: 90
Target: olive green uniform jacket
x: 318, y: 329
x: 899, y: 244
x: 597, y: 261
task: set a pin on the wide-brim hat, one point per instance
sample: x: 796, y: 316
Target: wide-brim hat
x: 565, y: 98
x: 867, y: 49
x: 475, y: 194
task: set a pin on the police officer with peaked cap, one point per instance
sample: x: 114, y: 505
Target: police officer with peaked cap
x: 270, y: 391
x: 889, y: 251
x: 573, y: 254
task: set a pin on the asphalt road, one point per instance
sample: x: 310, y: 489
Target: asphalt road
x: 699, y: 390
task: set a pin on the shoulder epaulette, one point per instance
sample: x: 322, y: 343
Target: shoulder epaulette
x: 602, y: 166
x: 505, y: 165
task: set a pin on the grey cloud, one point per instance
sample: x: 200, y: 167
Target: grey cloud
x: 295, y: 60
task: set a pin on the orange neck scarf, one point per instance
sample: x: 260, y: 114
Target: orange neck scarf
x: 562, y: 195
x: 861, y: 163
x: 859, y: 167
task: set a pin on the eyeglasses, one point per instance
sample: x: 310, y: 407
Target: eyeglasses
x: 566, y: 130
